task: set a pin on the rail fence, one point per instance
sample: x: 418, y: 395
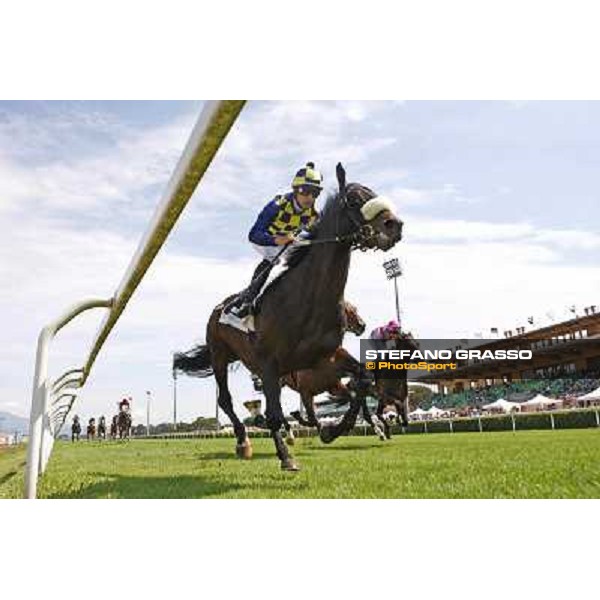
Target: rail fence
x: 52, y: 401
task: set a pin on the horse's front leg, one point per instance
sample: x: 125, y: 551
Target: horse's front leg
x: 357, y: 400
x: 403, y: 406
x: 290, y: 439
x: 309, y: 407
x: 311, y: 417
x: 374, y: 421
x: 274, y: 414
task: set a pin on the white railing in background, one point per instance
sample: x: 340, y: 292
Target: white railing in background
x: 48, y: 409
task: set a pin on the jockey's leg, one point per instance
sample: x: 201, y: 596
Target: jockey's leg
x: 242, y: 305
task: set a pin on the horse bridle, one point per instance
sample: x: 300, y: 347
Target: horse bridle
x: 358, y: 238
x: 364, y: 231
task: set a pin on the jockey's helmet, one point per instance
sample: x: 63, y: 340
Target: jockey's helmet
x: 392, y: 328
x: 308, y: 180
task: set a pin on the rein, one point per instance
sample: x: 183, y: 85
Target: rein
x: 364, y: 233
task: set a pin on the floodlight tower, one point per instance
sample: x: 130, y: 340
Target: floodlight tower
x: 393, y: 270
x: 148, y: 400
x: 174, y: 399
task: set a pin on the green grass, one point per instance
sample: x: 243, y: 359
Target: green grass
x: 527, y: 464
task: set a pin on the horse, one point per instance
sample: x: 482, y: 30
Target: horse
x: 102, y: 428
x: 299, y: 318
x: 324, y: 377
x: 75, y: 429
x: 113, y: 427
x: 91, y: 429
x: 124, y: 424
x: 391, y: 395
x: 310, y: 382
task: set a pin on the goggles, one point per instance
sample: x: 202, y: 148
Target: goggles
x: 306, y: 190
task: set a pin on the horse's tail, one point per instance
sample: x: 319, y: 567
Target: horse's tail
x: 195, y: 362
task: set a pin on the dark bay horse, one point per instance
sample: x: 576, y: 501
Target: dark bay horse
x: 391, y: 394
x: 75, y: 429
x: 102, y: 428
x: 326, y: 375
x: 299, y: 321
x: 113, y: 427
x: 124, y: 424
x: 91, y: 429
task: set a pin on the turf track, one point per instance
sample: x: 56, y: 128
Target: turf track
x: 527, y: 464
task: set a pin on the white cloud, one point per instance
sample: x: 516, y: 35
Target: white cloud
x: 411, y: 196
x: 114, y: 171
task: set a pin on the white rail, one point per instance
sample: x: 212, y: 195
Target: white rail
x: 210, y: 130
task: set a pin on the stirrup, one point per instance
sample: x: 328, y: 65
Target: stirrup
x: 241, y: 311
x: 236, y: 302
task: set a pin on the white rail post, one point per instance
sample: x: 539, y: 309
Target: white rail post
x: 39, y: 423
x: 212, y: 127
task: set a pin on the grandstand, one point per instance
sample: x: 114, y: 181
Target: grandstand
x: 565, y: 364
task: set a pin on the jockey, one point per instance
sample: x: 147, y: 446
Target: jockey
x: 390, y: 331
x: 277, y: 225
x: 124, y: 405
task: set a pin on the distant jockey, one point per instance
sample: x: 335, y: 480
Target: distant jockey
x: 125, y: 405
x: 277, y: 225
x: 390, y: 331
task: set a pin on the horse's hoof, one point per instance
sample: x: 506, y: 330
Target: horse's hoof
x: 289, y: 465
x: 326, y: 434
x: 244, y: 450
x: 290, y: 441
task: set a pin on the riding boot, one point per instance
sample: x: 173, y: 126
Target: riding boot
x: 242, y: 305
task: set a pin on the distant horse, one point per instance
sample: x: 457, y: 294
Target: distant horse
x: 91, y: 429
x: 391, y: 394
x: 114, y: 430
x: 124, y: 424
x: 325, y: 377
x: 102, y: 428
x: 299, y: 320
x: 75, y: 429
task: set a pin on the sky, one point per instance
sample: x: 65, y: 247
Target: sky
x: 499, y: 201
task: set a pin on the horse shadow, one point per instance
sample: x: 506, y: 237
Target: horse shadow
x: 142, y: 487
x: 345, y: 448
x: 231, y: 457
x: 7, y: 476
x: 10, y: 474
